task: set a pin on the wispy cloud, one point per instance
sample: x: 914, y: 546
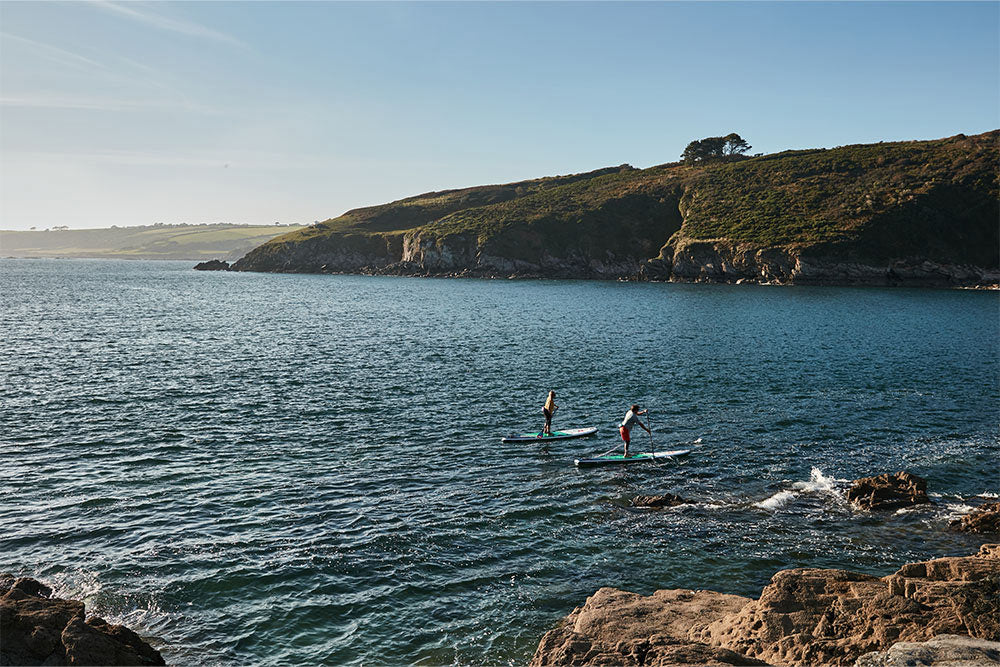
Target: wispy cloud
x: 167, y: 23
x: 54, y: 53
x: 80, y: 102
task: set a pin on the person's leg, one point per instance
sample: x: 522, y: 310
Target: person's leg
x: 626, y: 436
x: 547, y: 430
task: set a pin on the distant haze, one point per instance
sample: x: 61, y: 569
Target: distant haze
x: 194, y: 242
x: 137, y: 113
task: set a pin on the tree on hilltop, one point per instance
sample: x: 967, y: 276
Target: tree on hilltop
x: 730, y: 147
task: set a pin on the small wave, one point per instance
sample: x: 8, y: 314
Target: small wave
x: 818, y: 483
x: 955, y: 510
x: 777, y: 500
x: 697, y: 441
x: 989, y: 494
x: 142, y: 615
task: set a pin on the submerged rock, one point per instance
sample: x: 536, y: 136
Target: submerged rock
x: 37, y: 629
x: 888, y: 491
x: 950, y: 650
x: 803, y: 617
x: 665, y: 500
x: 984, y: 519
x: 212, y: 265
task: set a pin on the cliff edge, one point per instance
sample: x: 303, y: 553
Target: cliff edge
x: 902, y: 213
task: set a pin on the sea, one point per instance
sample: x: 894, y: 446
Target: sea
x: 279, y: 469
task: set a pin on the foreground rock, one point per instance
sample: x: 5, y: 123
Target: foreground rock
x: 36, y: 629
x: 212, y: 265
x: 888, y: 491
x: 656, y: 502
x: 803, y: 617
x: 619, y: 628
x: 984, y: 519
x: 951, y: 650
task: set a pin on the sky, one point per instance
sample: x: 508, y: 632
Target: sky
x: 129, y: 113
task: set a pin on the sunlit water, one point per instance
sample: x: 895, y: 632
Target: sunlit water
x: 281, y: 469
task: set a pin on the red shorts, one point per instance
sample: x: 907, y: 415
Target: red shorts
x: 624, y: 433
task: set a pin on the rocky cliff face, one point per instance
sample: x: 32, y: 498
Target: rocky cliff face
x: 725, y: 261
x: 421, y: 253
x: 803, y: 617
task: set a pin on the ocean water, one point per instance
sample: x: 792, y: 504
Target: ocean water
x: 283, y: 469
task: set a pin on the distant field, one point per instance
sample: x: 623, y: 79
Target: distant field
x: 194, y: 242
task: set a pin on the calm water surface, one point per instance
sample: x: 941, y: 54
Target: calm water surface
x: 280, y: 469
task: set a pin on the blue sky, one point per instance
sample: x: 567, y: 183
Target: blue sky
x: 134, y: 113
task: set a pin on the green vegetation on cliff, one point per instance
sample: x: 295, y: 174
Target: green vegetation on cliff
x: 926, y: 200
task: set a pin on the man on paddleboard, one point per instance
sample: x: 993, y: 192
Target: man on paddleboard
x: 631, y: 419
x: 548, y: 410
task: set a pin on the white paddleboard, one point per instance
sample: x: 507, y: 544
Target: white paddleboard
x: 634, y: 458
x: 564, y: 434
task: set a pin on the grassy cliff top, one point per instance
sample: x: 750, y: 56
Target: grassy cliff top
x: 880, y: 200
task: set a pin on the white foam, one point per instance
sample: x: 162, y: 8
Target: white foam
x: 956, y: 510
x: 818, y: 483
x: 989, y: 494
x: 777, y: 500
x: 697, y: 442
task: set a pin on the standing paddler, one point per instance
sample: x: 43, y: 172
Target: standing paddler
x: 548, y: 410
x: 631, y: 419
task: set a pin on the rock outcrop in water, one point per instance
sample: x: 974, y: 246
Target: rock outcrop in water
x: 212, y: 265
x: 37, y: 629
x: 917, y: 213
x: 983, y: 519
x: 889, y: 491
x: 803, y: 617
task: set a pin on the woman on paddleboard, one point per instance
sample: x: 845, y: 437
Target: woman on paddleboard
x: 631, y: 419
x: 548, y: 409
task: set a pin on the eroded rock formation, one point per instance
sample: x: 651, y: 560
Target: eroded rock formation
x: 37, y: 629
x: 803, y: 617
x: 888, y: 492
x: 943, y: 650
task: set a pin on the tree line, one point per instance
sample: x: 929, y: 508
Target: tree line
x: 730, y: 147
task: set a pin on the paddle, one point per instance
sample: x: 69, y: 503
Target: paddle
x: 649, y: 430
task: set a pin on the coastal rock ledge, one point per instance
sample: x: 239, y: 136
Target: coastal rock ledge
x: 803, y: 617
x: 38, y: 629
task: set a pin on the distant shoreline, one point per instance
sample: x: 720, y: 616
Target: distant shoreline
x: 185, y: 242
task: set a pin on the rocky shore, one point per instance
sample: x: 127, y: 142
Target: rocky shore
x: 719, y: 262
x: 943, y: 611
x: 38, y: 629
x: 802, y: 617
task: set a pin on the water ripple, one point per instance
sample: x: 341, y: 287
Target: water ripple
x: 307, y: 469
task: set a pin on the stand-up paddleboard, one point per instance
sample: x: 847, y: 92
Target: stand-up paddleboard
x: 634, y: 458
x: 555, y: 435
